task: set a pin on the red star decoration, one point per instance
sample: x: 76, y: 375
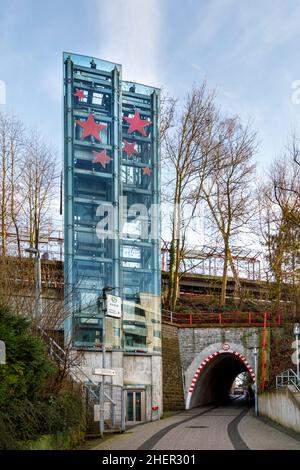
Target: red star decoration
x: 147, y: 171
x: 102, y: 158
x: 136, y: 123
x: 79, y: 94
x: 91, y: 128
x: 129, y: 148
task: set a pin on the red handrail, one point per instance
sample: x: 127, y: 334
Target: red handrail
x: 219, y: 318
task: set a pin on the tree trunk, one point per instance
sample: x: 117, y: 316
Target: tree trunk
x: 237, y: 284
x: 224, y: 277
x: 175, y: 293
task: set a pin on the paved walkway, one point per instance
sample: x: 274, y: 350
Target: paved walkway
x: 206, y: 428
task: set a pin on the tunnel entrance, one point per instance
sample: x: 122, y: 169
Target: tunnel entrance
x: 214, y: 378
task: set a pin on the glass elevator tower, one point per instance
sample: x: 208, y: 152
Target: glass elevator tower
x: 111, y: 211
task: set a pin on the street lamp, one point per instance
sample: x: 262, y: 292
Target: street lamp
x: 255, y: 351
x: 297, y: 334
x: 38, y: 281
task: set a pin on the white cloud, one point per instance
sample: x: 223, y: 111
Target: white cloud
x: 130, y: 32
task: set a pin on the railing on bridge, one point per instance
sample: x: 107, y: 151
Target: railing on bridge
x: 288, y: 377
x: 220, y: 318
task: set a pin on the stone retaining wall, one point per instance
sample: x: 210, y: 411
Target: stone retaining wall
x: 173, y: 397
x: 282, y: 407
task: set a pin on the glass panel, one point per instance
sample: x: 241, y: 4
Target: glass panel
x: 141, y: 324
x: 87, y: 331
x: 89, y: 187
x: 84, y: 160
x: 141, y: 257
x: 92, y: 274
x: 89, y: 244
x: 113, y: 337
x: 97, y: 98
x: 138, y: 406
x: 140, y: 152
x: 78, y: 131
x: 85, y: 61
x: 130, y: 411
x: 87, y: 301
x: 135, y: 343
x: 137, y: 88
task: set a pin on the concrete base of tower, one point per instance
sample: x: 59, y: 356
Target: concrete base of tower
x: 135, y: 387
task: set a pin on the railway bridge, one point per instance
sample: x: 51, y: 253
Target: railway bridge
x: 204, y: 352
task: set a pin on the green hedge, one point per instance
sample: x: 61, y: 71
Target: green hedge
x: 64, y: 440
x: 27, y: 367
x: 27, y: 408
x: 24, y: 420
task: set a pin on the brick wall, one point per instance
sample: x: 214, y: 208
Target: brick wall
x: 173, y: 397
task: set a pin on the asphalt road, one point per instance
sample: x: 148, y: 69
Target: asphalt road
x: 232, y: 427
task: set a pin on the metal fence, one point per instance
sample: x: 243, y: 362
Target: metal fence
x: 105, y: 402
x: 288, y: 377
x: 105, y: 408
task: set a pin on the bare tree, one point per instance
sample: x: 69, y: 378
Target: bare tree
x: 11, y: 145
x: 285, y: 177
x: 182, y: 152
x: 28, y: 180
x: 280, y: 225
x: 227, y: 190
x: 39, y: 184
x: 167, y: 113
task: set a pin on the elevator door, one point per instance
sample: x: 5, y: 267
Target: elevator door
x: 135, y: 406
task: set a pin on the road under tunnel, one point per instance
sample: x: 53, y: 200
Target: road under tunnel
x: 214, y: 381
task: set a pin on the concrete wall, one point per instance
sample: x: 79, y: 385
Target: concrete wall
x: 135, y: 370
x: 90, y: 360
x: 145, y: 371
x: 282, y: 407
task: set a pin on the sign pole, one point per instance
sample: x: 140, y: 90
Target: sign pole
x: 111, y: 306
x: 255, y: 352
x: 101, y: 406
x: 102, y: 387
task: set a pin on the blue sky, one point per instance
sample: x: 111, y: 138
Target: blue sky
x: 249, y: 51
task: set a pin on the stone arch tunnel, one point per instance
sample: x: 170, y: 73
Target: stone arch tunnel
x: 200, y: 364
x: 214, y: 377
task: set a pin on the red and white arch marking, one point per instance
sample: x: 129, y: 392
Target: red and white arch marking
x: 208, y: 359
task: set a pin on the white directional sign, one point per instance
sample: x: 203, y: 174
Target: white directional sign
x: 110, y: 372
x: 113, y: 306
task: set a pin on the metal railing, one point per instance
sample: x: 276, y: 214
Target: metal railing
x: 220, y: 318
x: 288, y: 377
x: 78, y: 374
x: 75, y: 371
